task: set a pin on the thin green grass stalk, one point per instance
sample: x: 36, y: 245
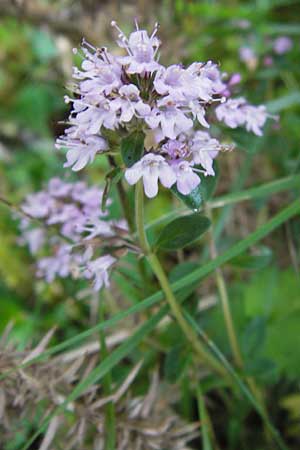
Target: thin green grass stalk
x: 243, y: 387
x: 228, y: 319
x: 223, y: 293
x: 204, y: 420
x: 110, y: 413
x: 165, y: 285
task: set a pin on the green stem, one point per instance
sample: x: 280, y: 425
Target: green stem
x: 165, y: 285
x: 110, y: 413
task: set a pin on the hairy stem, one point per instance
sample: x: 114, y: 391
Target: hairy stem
x: 175, y: 307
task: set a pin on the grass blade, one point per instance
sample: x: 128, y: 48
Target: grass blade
x: 263, y: 190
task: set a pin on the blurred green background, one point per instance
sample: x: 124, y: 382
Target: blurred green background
x: 36, y: 41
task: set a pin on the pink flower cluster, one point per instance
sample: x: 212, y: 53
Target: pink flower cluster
x: 72, y: 211
x: 172, y: 105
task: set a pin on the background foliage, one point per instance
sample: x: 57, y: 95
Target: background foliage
x: 36, y: 39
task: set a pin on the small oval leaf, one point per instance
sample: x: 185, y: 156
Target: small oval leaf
x: 202, y: 193
x: 192, y: 200
x: 182, y: 231
x: 132, y: 147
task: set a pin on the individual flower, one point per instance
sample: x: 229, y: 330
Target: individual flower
x: 255, y: 118
x: 82, y: 148
x: 237, y: 112
x: 204, y: 150
x: 129, y: 104
x: 175, y: 82
x: 230, y: 112
x: 187, y: 179
x: 60, y: 264
x: 38, y: 205
x: 141, y: 49
x: 168, y: 120
x: 282, y: 45
x: 97, y: 269
x: 249, y: 57
x: 175, y: 149
x: 151, y: 168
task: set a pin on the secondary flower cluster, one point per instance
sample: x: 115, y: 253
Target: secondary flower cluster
x: 171, y: 105
x: 72, y: 212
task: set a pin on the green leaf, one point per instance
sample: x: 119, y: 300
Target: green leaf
x: 192, y: 201
x: 202, y: 193
x: 208, y: 184
x: 182, y: 231
x: 257, y: 261
x: 253, y: 337
x: 111, y: 178
x: 132, y: 147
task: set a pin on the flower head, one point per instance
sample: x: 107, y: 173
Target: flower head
x: 118, y: 95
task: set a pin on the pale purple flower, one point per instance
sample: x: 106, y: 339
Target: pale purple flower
x: 142, y: 50
x: 187, y: 179
x: 237, y: 112
x: 268, y: 61
x: 38, y: 205
x: 168, y: 121
x: 74, y: 209
x: 207, y: 80
x: 96, y: 228
x: 230, y: 112
x: 97, y: 269
x: 58, y: 265
x: 35, y: 238
x: 198, y: 112
x: 282, y: 44
x: 82, y: 151
x: 151, y: 168
x: 129, y: 104
x: 175, y: 149
x: 175, y: 82
x: 100, y: 77
x: 58, y: 188
x: 101, y: 71
x: 204, y: 150
x: 235, y: 78
x: 255, y: 118
x: 248, y: 56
